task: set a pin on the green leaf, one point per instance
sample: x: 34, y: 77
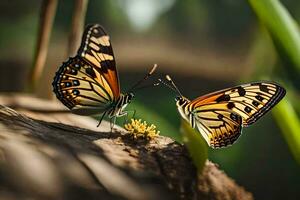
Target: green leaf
x: 286, y: 37
x: 195, y: 144
x: 282, y: 28
x: 289, y: 123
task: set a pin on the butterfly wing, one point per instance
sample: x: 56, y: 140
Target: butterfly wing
x: 96, y: 49
x: 219, y: 128
x: 82, y: 88
x: 221, y: 115
x: 88, y: 83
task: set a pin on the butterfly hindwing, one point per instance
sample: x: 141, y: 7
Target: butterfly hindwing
x: 82, y: 88
x: 96, y: 49
x: 220, y: 115
x: 220, y: 127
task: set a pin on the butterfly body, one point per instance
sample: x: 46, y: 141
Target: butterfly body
x: 220, y: 116
x: 184, y: 110
x: 88, y: 83
x: 119, y: 106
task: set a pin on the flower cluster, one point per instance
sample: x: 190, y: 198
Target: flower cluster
x: 138, y: 129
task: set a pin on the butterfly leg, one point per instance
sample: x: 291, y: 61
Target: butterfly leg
x: 126, y: 119
x: 112, y: 123
x: 134, y: 112
x: 101, y: 118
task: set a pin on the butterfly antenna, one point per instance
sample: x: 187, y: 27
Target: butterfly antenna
x: 146, y: 86
x: 145, y: 78
x: 166, y: 84
x: 173, y: 86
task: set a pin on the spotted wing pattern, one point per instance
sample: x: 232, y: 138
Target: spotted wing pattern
x: 96, y: 49
x: 82, y: 88
x: 221, y: 115
x: 88, y: 83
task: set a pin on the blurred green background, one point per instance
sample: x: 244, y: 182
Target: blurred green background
x: 205, y: 45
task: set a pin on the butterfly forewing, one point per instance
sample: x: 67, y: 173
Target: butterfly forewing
x: 96, y: 49
x: 220, y: 115
x: 250, y: 101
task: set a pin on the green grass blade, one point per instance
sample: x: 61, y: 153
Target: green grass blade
x: 289, y: 123
x: 281, y: 26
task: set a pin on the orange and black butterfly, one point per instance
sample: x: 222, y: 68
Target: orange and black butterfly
x: 220, y: 116
x: 88, y: 83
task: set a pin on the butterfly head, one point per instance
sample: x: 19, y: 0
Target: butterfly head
x: 181, y: 100
x: 128, y: 97
x: 125, y: 99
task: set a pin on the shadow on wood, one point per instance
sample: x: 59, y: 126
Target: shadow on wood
x: 47, y: 156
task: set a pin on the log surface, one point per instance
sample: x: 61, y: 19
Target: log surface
x: 64, y: 156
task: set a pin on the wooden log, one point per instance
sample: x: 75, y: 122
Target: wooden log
x: 47, y: 155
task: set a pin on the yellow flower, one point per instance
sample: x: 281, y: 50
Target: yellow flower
x: 138, y: 129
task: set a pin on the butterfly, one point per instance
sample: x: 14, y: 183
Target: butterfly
x: 88, y: 83
x: 220, y: 116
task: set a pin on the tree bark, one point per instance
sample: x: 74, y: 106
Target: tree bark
x: 48, y: 155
